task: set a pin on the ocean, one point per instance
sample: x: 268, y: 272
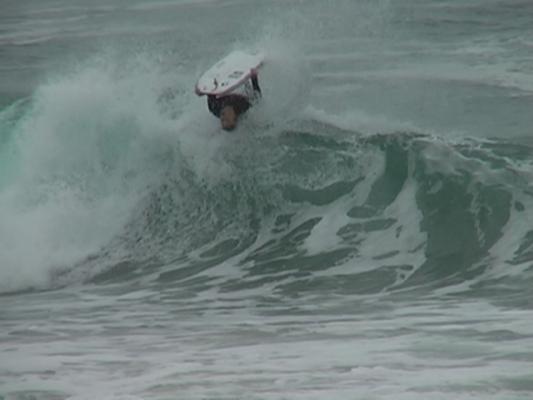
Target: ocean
x: 365, y: 233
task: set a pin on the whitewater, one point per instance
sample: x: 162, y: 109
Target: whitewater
x: 365, y: 233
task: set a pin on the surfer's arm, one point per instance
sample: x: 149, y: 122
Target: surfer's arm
x: 255, y: 83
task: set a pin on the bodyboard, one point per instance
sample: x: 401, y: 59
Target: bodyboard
x: 229, y: 73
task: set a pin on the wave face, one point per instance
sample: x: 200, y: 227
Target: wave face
x: 110, y: 175
x: 327, y: 210
x: 310, y: 207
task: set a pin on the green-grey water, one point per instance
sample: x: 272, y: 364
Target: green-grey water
x: 365, y: 233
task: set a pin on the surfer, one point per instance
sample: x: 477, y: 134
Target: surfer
x: 230, y: 106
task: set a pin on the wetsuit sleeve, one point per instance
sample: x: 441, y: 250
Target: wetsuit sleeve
x: 214, y: 105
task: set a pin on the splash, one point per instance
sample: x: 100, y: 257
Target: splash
x: 82, y: 152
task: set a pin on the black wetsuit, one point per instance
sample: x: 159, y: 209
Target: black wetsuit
x: 239, y: 102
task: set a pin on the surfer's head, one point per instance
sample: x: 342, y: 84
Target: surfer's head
x: 232, y: 106
x: 228, y: 118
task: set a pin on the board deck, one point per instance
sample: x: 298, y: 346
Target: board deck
x: 228, y: 73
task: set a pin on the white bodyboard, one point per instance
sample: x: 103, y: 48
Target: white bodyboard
x: 229, y: 73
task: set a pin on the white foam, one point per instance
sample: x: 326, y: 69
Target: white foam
x: 363, y: 122
x: 199, y: 348
x: 89, y: 147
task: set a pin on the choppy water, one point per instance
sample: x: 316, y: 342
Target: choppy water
x: 366, y: 233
